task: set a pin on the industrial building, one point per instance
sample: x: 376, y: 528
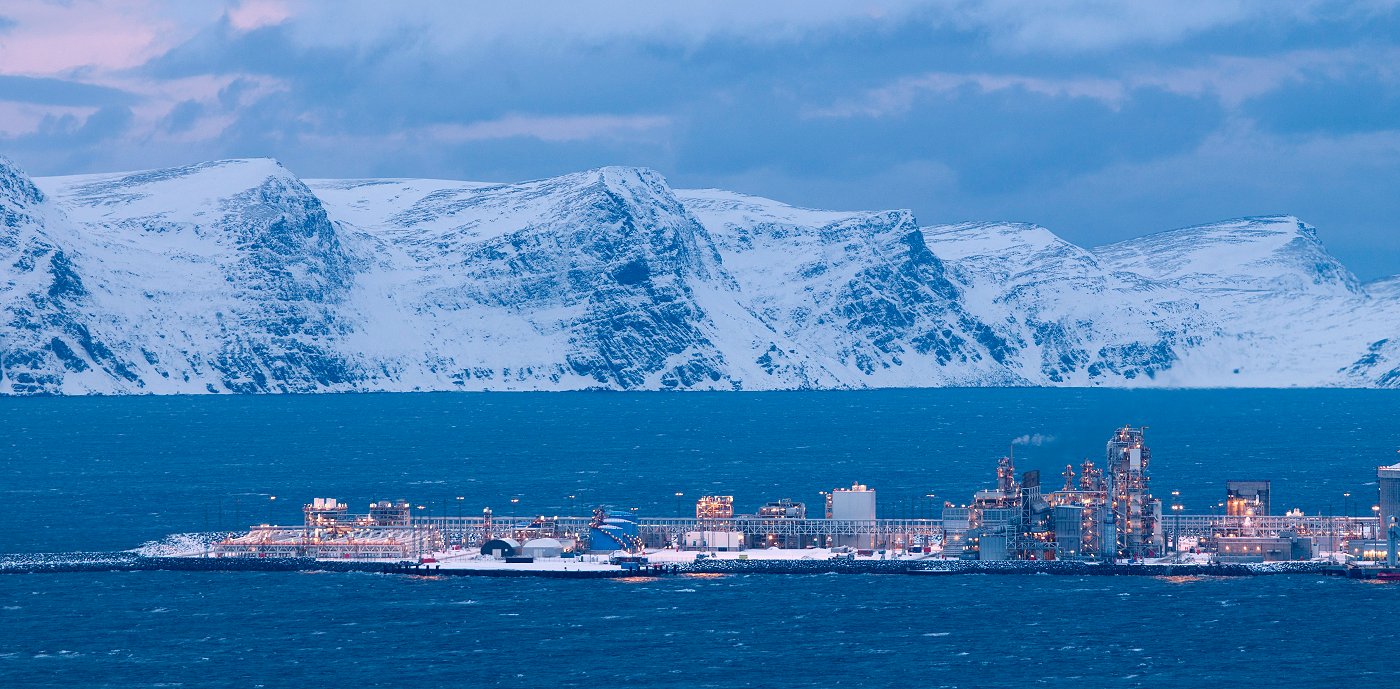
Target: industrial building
x: 856, y: 503
x: 715, y: 540
x: 785, y: 508
x: 714, y: 507
x: 329, y: 531
x: 1102, y: 512
x: 609, y: 533
x: 1385, y: 545
x: 1388, y: 511
x: 501, y: 547
x: 1247, y: 498
x: 1388, y: 478
x: 542, y: 548
x: 1131, y: 529
x: 1265, y: 548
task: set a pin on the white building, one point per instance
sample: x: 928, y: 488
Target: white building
x: 714, y: 540
x: 856, y: 503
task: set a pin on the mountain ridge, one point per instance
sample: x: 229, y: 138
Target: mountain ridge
x: 237, y: 276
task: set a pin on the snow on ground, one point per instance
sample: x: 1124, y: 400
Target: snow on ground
x: 194, y: 544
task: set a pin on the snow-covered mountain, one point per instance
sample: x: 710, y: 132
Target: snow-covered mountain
x: 858, y: 295
x: 1069, y: 318
x: 236, y: 276
x: 224, y: 276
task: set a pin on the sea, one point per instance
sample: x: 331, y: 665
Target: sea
x: 88, y: 474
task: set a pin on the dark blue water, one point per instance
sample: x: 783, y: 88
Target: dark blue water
x: 353, y: 630
x: 92, y: 474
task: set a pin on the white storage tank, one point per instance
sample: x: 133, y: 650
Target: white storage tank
x: 542, y: 547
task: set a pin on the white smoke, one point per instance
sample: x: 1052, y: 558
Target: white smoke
x: 1034, y: 440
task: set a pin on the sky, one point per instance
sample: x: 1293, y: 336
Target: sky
x: 1101, y: 120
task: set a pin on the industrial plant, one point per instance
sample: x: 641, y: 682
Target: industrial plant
x: 1101, y: 512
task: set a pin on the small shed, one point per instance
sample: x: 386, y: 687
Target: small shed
x: 501, y: 547
x: 542, y: 547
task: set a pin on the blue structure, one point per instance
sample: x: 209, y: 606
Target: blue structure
x: 615, y: 533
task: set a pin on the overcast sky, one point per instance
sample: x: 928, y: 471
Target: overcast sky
x: 1101, y: 120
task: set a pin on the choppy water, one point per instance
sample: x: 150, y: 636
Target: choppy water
x: 91, y: 474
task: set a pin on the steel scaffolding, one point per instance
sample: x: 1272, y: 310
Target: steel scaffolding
x: 1205, y: 526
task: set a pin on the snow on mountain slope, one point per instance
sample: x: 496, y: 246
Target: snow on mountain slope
x: 860, y: 292
x: 381, y: 202
x: 1385, y: 288
x: 1379, y: 365
x: 1271, y: 256
x: 595, y: 279
x: 219, y: 276
x: 235, y: 276
x: 1264, y: 284
x: 45, y: 344
x: 1069, y: 319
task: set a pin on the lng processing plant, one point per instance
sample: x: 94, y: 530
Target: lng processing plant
x: 1101, y: 512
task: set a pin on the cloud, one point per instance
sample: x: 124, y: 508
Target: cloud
x: 1238, y: 79
x: 59, y: 38
x: 1355, y: 101
x: 1077, y: 26
x: 1233, y: 80
x: 256, y: 14
x: 455, y: 28
x: 182, y: 117
x: 1100, y: 118
x: 1058, y: 26
x: 570, y: 128
x: 1050, y: 26
x: 998, y: 140
x: 102, y: 124
x: 1342, y: 183
x: 49, y: 91
x: 899, y: 98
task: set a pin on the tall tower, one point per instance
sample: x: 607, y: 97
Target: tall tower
x: 1006, y: 474
x: 1129, y: 523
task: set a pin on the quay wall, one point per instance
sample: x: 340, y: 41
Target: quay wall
x: 54, y: 563
x: 929, y: 568
x: 40, y: 563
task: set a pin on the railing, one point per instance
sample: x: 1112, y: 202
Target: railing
x: 1197, y: 525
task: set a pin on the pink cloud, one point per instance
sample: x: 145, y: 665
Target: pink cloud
x: 255, y: 14
x: 50, y: 38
